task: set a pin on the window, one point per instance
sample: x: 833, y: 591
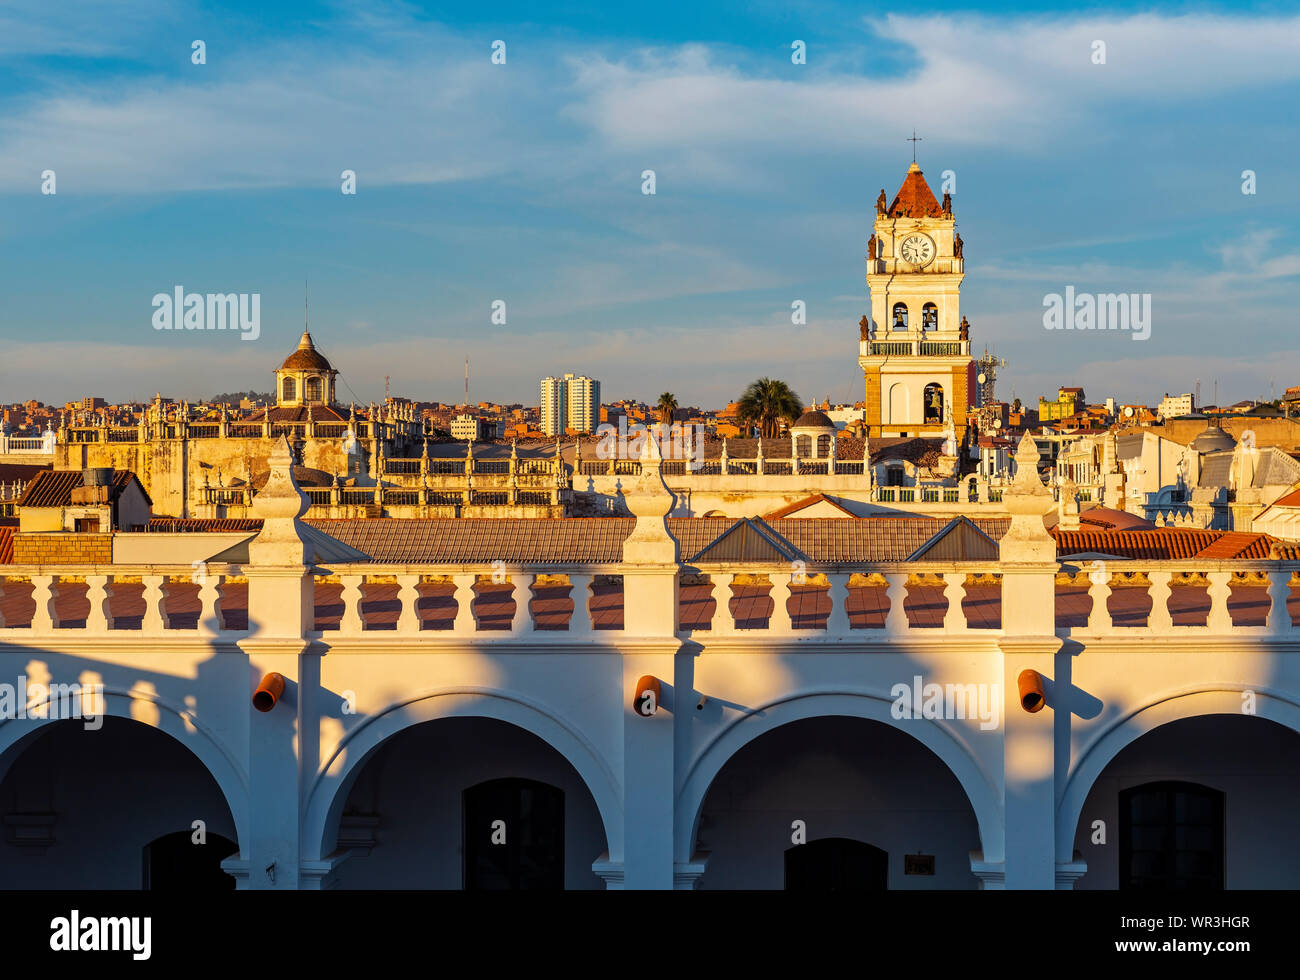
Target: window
x: 1171, y: 837
x: 88, y: 525
x: 313, y: 389
x: 288, y: 390
x: 514, y: 836
x: 823, y: 447
x: 836, y: 864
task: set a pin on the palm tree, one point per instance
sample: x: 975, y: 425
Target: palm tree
x: 666, y: 407
x: 766, y: 402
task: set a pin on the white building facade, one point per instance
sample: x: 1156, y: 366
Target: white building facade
x: 570, y: 402
x: 967, y: 714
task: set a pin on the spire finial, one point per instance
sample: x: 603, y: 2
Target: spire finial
x: 914, y: 139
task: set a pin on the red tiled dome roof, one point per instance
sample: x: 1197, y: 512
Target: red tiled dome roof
x: 306, y: 357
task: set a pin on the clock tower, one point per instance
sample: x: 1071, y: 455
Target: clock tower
x: 914, y: 349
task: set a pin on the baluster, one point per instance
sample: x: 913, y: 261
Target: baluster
x: 210, y: 621
x: 837, y: 623
x: 779, y: 623
x: 466, y: 619
x: 580, y: 623
x: 1220, y: 620
x: 2, y: 595
x: 896, y: 618
x: 408, y: 617
x: 1099, y: 620
x: 99, y: 592
x: 1279, y: 591
x: 351, y: 623
x: 1160, y: 619
x: 723, y: 624
x: 45, y: 590
x: 523, y: 595
x: 954, y: 619
x: 155, y: 604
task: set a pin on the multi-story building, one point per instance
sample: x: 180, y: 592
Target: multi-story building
x: 571, y: 402
x: 1172, y: 406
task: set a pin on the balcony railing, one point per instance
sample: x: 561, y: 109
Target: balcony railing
x: 41, y: 604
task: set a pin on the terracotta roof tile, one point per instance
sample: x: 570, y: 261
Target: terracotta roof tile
x: 6, y: 545
x: 915, y: 199
x: 53, y: 488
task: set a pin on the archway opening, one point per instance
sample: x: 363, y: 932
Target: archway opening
x: 811, y: 782
x: 932, y: 401
x: 1203, y: 803
x: 836, y: 864
x: 514, y: 836
x: 84, y: 807
x: 900, y: 317
x: 188, y: 861
x: 929, y: 317
x: 467, y: 802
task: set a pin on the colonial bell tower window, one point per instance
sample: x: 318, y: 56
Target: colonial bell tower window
x: 313, y: 390
x: 900, y: 316
x: 289, y: 390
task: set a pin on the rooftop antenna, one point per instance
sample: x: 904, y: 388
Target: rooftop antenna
x: 304, y: 306
x: 386, y: 390
x: 467, y: 381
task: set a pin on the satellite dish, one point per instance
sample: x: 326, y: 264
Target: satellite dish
x: 1129, y: 411
x: 997, y: 423
x: 982, y: 377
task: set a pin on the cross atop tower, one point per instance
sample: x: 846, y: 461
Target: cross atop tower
x: 914, y: 139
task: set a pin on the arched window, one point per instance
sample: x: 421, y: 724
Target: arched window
x: 1171, y: 837
x: 288, y: 390
x: 803, y: 446
x: 929, y: 317
x: 836, y: 864
x: 514, y: 836
x: 900, y: 317
x: 894, y: 475
x: 175, y: 863
x: 313, y: 389
x: 932, y: 403
x: 823, y: 447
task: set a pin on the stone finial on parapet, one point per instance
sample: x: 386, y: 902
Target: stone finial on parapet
x: 1068, y: 506
x: 280, y: 504
x: 650, y: 501
x: 1026, y: 500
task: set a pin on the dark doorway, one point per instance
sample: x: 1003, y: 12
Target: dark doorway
x: 174, y: 863
x: 836, y: 864
x: 1171, y: 838
x: 530, y: 817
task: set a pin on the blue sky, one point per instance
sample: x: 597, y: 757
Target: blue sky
x: 522, y: 182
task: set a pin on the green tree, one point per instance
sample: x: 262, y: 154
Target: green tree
x: 768, y: 401
x: 666, y: 407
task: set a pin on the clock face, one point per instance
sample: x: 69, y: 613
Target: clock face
x: 982, y: 378
x: 917, y: 249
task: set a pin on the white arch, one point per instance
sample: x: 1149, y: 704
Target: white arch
x: 176, y: 720
x: 1124, y: 731
x: 329, y: 790
x: 975, y: 782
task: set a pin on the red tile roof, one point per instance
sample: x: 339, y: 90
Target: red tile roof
x: 53, y: 488
x: 1164, y: 543
x: 915, y: 199
x: 7, y: 545
x: 790, y: 510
